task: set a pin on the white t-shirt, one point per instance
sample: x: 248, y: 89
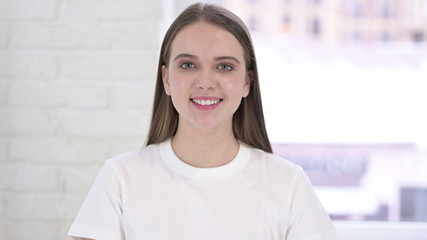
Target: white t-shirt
x: 151, y: 194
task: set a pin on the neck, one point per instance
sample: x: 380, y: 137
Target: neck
x: 205, y: 148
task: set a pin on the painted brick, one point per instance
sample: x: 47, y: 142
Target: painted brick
x: 14, y: 63
x: 90, y: 10
x: 58, y: 94
x: 133, y: 35
x: 27, y: 9
x: 42, y: 206
x: 131, y: 10
x: 3, y: 92
x: 30, y: 230
x: 80, y: 14
x: 64, y: 227
x: 133, y: 94
x: 4, y: 35
x: 2, y: 206
x: 109, y: 65
x: 4, y: 149
x: 121, y: 146
x: 76, y: 87
x: 75, y: 201
x: 36, y: 35
x: 58, y: 150
x: 27, y: 121
x: 5, y: 230
x: 78, y: 179
x: 28, y: 177
x: 4, y: 121
x: 104, y: 123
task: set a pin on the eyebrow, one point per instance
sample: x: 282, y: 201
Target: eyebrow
x: 186, y: 55
x: 227, y: 58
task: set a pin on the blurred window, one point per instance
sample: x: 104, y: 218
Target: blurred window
x: 355, y: 8
x: 315, y: 27
x: 287, y: 23
x: 385, y: 9
x: 346, y: 101
x: 385, y: 36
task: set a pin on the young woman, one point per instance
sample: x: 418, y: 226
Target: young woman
x: 207, y: 171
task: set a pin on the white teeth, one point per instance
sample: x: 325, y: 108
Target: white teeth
x: 206, y: 102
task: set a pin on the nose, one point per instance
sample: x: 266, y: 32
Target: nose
x: 206, y: 80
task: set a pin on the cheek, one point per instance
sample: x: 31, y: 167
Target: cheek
x: 179, y: 85
x: 238, y: 87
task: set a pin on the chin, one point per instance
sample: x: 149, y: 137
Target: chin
x: 207, y: 124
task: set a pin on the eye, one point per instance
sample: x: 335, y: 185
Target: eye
x: 225, y: 67
x: 187, y: 65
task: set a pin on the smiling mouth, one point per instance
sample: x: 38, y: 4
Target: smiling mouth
x: 206, y: 102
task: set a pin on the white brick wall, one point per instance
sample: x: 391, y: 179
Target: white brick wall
x: 70, y: 94
x: 46, y: 150
x: 28, y: 177
x: 76, y: 86
x: 28, y: 10
x: 3, y: 92
x: 4, y: 34
x: 19, y: 63
x: 108, y: 65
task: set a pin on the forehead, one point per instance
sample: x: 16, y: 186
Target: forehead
x: 202, y: 38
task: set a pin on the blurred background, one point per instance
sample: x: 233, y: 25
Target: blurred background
x: 344, y: 93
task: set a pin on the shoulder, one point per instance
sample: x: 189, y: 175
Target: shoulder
x: 136, y: 159
x: 274, y: 161
x: 277, y: 172
x: 279, y: 176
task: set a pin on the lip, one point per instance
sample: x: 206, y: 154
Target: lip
x: 206, y: 98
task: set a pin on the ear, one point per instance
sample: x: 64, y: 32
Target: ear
x: 165, y: 78
x: 248, y: 82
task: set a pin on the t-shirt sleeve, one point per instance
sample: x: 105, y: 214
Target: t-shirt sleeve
x: 308, y: 219
x: 100, y: 216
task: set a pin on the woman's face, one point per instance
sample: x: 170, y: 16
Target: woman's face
x: 206, y: 76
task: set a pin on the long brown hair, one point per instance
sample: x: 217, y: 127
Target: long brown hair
x: 248, y: 120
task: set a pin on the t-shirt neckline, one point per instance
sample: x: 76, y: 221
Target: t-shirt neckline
x: 192, y: 172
